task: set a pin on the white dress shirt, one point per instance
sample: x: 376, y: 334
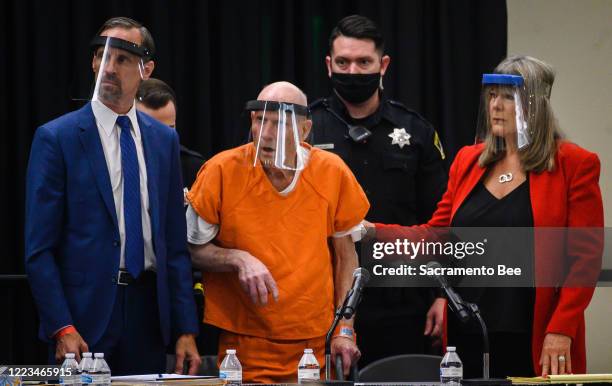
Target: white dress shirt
x: 106, y: 120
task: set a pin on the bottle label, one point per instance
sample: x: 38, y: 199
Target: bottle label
x: 451, y: 372
x: 86, y: 378
x: 309, y: 374
x: 99, y: 378
x: 231, y: 376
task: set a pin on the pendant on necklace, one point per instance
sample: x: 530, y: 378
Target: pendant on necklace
x: 503, y: 178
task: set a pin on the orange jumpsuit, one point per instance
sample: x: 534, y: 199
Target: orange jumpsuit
x: 289, y: 234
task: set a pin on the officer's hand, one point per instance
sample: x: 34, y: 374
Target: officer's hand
x: 71, y: 342
x: 435, y: 318
x: 349, y: 351
x: 255, y: 278
x: 370, y: 230
x: 186, y: 349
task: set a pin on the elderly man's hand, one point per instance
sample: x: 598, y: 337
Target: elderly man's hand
x: 347, y: 349
x: 255, y: 278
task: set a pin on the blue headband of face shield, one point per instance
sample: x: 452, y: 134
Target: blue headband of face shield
x: 505, y: 79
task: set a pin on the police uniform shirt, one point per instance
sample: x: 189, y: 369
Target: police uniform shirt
x: 191, y: 162
x: 400, y: 166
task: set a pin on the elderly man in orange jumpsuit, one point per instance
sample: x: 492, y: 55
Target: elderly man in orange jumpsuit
x: 261, y: 220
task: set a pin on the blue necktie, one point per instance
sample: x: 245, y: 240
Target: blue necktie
x: 134, y: 243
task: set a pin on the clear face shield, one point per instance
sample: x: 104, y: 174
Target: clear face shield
x: 504, y: 112
x: 277, y: 130
x: 119, y: 68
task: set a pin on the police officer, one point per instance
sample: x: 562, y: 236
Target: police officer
x: 397, y: 157
x: 158, y: 100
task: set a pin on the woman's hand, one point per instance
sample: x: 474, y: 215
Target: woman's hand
x: 556, y: 356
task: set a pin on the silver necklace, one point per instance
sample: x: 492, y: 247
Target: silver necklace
x: 503, y: 178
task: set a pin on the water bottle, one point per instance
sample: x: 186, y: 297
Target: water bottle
x: 308, y: 368
x: 68, y: 371
x: 451, y: 368
x: 85, y: 368
x: 100, y: 372
x: 231, y: 369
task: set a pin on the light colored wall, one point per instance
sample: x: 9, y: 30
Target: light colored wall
x: 575, y: 36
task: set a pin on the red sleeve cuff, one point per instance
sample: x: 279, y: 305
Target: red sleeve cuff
x: 65, y: 331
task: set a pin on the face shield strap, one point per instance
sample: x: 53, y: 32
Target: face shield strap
x: 258, y: 105
x: 101, y: 41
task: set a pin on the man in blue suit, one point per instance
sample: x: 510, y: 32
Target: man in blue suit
x: 106, y: 252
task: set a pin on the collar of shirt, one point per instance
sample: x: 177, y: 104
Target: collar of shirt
x: 107, y: 118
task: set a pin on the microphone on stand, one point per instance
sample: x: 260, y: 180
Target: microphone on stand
x: 465, y: 311
x: 454, y: 300
x: 347, y: 310
x: 361, y: 276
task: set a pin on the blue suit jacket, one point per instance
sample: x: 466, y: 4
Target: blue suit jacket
x: 71, y: 233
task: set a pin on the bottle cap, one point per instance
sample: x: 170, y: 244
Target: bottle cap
x: 99, y: 355
x: 70, y: 355
x: 86, y: 355
x: 230, y: 351
x: 451, y: 348
x: 307, y: 351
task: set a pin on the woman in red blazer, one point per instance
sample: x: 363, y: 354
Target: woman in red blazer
x: 559, y: 183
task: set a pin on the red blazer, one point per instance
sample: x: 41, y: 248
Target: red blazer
x: 569, y: 196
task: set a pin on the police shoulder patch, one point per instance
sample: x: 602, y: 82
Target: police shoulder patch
x: 438, y: 144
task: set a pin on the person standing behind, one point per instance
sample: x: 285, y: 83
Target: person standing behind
x: 397, y: 157
x: 156, y: 98
x: 105, y: 247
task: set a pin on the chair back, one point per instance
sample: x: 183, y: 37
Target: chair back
x: 403, y: 368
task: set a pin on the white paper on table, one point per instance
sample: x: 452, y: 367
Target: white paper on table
x: 155, y: 377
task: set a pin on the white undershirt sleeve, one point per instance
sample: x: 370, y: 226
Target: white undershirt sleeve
x: 357, y: 232
x: 199, y: 231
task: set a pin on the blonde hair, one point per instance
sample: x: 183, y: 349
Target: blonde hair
x: 542, y: 125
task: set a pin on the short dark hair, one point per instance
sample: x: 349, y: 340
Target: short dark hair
x: 127, y: 23
x: 155, y: 94
x: 358, y: 27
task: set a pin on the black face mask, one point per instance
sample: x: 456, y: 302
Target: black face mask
x: 355, y: 88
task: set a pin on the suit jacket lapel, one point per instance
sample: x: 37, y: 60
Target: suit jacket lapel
x: 149, y: 142
x: 90, y: 139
